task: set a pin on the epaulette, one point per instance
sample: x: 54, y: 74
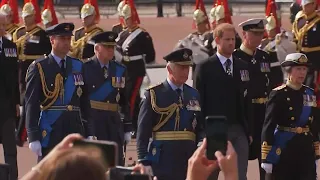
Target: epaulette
x: 280, y: 87
x: 153, y: 86
x: 307, y: 87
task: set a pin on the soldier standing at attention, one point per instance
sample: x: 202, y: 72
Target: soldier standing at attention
x: 106, y: 81
x: 48, y: 15
x: 306, y: 29
x: 80, y: 48
x: 269, y: 45
x: 259, y: 84
x: 57, y: 99
x: 170, y: 115
x: 32, y: 43
x: 136, y: 47
x: 290, y: 136
x: 9, y: 8
x: 9, y: 97
x: 117, y: 28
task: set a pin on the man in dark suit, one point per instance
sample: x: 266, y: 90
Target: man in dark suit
x: 56, y: 100
x: 9, y: 98
x: 109, y: 104
x: 222, y: 82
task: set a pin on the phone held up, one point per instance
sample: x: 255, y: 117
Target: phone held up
x: 126, y: 173
x: 217, y: 135
x: 109, y: 150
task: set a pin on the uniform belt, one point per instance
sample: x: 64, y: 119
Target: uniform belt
x: 297, y: 130
x: 310, y: 49
x: 133, y: 58
x: 275, y: 64
x: 104, y: 106
x: 63, y: 108
x: 24, y: 57
x: 259, y: 100
x: 174, y: 135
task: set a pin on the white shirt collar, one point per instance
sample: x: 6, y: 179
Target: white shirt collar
x: 224, y: 59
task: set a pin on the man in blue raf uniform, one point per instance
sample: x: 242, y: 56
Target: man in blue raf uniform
x: 56, y: 95
x: 290, y: 136
x: 170, y: 116
x: 106, y: 82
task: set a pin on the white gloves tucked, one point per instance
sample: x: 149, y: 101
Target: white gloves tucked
x: 35, y: 147
x: 127, y: 137
x: 267, y: 167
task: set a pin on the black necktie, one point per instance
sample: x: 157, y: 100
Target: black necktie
x: 105, y: 72
x: 63, y: 68
x: 179, y: 92
x: 228, y: 67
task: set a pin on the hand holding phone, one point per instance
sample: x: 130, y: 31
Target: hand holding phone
x: 108, y: 149
x: 217, y: 135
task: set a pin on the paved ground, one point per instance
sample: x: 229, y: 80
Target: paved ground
x: 165, y: 32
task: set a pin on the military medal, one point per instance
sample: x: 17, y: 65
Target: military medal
x: 193, y: 105
x: 79, y: 91
x: 254, y: 61
x: 76, y: 81
x: 118, y: 97
x: 244, y: 74
x: 81, y: 82
x: 194, y: 123
x: 154, y: 151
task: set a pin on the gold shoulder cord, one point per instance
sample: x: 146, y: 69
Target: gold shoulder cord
x: 301, y: 32
x: 58, y: 88
x: 166, y: 112
x: 20, y: 42
x: 77, y: 46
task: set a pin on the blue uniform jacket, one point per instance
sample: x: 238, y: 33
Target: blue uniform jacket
x: 51, y: 126
x: 169, y: 158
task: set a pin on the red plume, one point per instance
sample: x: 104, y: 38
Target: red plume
x: 48, y: 4
x: 14, y: 8
x: 36, y: 8
x: 200, y: 5
x: 134, y: 13
x: 227, y: 13
x: 94, y: 3
x: 271, y: 9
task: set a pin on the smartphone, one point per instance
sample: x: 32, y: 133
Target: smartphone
x: 123, y: 173
x: 108, y: 149
x: 217, y: 135
x: 137, y: 177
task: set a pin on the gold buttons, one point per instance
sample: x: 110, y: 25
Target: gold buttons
x: 288, y: 99
x: 44, y: 133
x: 290, y: 108
x: 278, y: 151
x: 292, y: 118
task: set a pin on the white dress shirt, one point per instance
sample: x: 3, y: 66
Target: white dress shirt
x: 223, y: 61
